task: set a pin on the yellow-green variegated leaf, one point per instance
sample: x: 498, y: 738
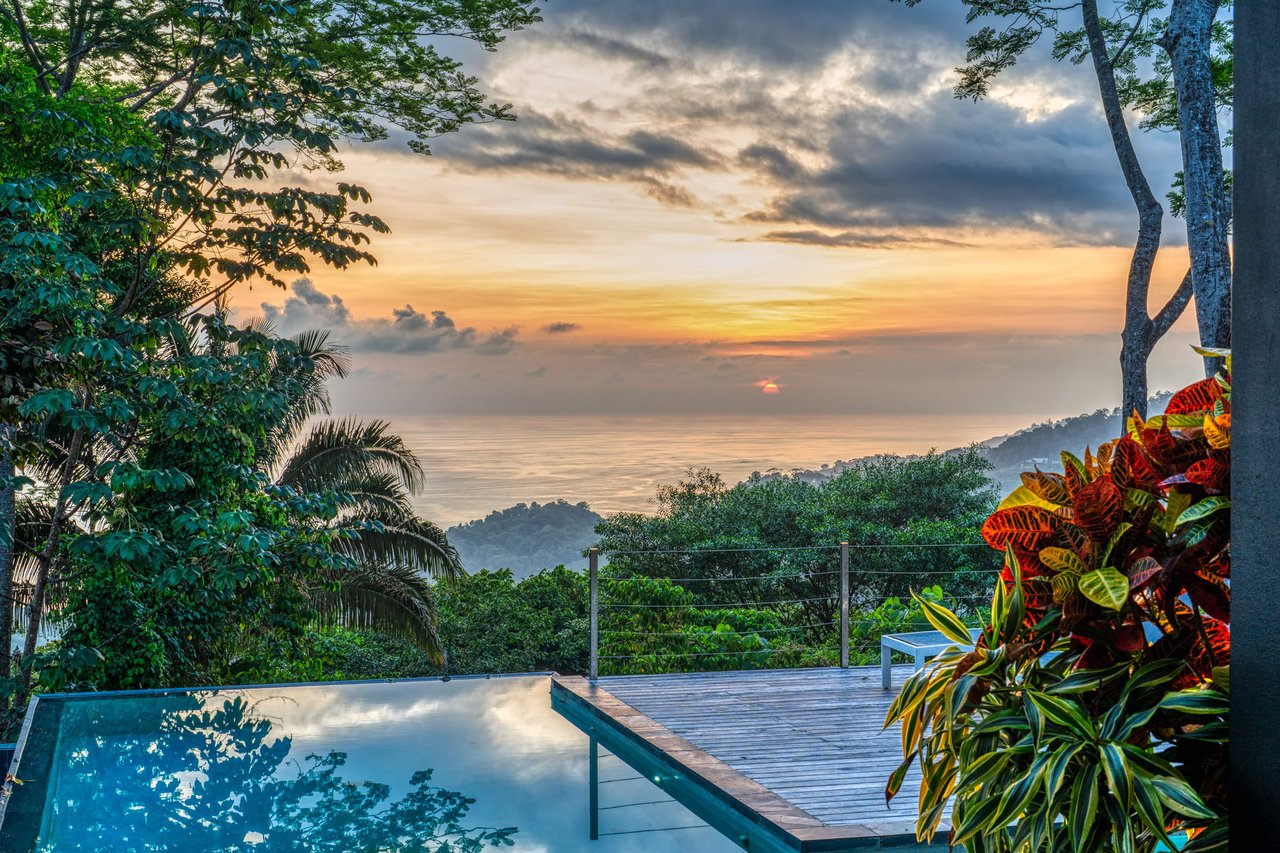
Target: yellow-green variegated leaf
x: 951, y: 625
x: 1062, y: 560
x: 1064, y: 585
x: 1106, y: 587
x: 1022, y: 496
x: 1175, y: 421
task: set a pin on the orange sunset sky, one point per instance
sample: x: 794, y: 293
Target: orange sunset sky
x: 700, y: 199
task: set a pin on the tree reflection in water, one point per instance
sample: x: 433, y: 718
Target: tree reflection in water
x: 177, y: 776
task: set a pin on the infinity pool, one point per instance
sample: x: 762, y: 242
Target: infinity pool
x: 419, y: 765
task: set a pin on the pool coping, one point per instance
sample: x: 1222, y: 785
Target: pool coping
x: 798, y: 829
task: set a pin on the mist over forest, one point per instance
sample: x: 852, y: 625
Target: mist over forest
x: 529, y: 537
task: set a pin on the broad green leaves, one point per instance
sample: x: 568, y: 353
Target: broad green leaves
x: 1106, y: 587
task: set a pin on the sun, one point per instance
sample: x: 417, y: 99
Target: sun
x: 770, y: 388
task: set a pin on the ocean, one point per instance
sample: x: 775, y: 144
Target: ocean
x: 479, y: 464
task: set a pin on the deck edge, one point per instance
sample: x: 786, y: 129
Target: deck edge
x: 757, y: 803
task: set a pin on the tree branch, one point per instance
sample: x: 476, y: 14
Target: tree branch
x: 1172, y: 309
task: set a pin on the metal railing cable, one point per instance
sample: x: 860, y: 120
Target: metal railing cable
x: 775, y: 611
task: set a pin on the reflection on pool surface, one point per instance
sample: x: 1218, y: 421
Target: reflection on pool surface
x: 376, y: 766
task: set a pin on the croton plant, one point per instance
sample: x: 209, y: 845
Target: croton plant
x: 1092, y: 714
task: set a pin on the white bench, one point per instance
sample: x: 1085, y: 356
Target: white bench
x: 919, y: 644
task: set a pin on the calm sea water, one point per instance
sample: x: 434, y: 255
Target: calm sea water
x: 478, y: 464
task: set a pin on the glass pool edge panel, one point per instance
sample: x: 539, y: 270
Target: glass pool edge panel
x: 28, y: 782
x: 722, y: 815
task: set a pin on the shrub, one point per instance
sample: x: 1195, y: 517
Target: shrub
x: 1093, y: 713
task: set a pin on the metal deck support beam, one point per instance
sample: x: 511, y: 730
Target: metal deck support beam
x: 1255, y: 514
x: 593, y: 764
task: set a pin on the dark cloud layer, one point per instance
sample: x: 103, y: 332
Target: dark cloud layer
x: 407, y: 331
x: 856, y: 134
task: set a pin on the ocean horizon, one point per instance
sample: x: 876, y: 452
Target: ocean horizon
x: 480, y: 463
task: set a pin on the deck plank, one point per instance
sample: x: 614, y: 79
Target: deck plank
x: 813, y: 737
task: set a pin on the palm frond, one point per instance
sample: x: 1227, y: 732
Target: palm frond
x: 405, y: 541
x: 311, y: 399
x: 389, y: 598
x: 375, y: 494
x: 331, y: 360
x: 336, y: 451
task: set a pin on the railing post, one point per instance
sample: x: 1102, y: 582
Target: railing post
x: 593, y: 562
x: 844, y: 604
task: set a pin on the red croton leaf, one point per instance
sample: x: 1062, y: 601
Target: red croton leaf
x: 1198, y: 397
x: 1205, y: 656
x: 1130, y: 468
x: 1048, y: 485
x: 1170, y: 455
x: 1099, y: 507
x: 1211, y: 593
x: 1210, y: 474
x: 1031, y: 527
x: 1142, y: 571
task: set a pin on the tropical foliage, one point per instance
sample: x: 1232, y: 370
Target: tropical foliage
x: 393, y: 553
x: 1093, y: 713
x: 148, y: 154
x: 910, y: 522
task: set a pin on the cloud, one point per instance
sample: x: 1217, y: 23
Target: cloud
x: 855, y: 239
x: 560, y: 328
x: 534, y: 374
x: 407, y: 331
x: 840, y: 123
x: 572, y: 147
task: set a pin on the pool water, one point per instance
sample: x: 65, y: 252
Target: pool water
x: 418, y: 765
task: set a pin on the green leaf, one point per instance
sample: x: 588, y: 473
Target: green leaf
x: 1085, y: 680
x: 951, y: 625
x: 976, y: 818
x: 1116, y: 769
x: 1062, y: 712
x: 1204, y: 509
x: 1146, y: 802
x: 1106, y: 587
x: 1179, y: 796
x: 1019, y: 795
x: 1057, y: 772
x: 1084, y: 810
x: 1196, y: 702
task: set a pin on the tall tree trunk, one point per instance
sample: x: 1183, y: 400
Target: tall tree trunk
x: 47, y: 562
x: 1188, y: 42
x: 1137, y: 338
x: 8, y: 522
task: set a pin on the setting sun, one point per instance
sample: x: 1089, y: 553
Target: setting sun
x: 769, y: 388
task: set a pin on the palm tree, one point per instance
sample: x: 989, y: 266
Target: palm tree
x: 395, y: 552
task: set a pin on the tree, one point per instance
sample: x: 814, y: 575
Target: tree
x: 911, y: 523
x: 142, y: 138
x: 394, y: 553
x: 1115, y: 46
x: 1198, y: 82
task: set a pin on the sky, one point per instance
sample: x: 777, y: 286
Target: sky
x: 748, y: 207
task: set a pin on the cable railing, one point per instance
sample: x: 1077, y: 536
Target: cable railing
x: 739, y: 607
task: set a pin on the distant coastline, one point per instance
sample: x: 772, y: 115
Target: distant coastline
x: 528, y: 534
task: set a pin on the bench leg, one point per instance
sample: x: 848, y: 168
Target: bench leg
x: 919, y: 662
x: 886, y: 671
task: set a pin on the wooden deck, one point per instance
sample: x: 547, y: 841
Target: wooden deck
x: 800, y: 752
